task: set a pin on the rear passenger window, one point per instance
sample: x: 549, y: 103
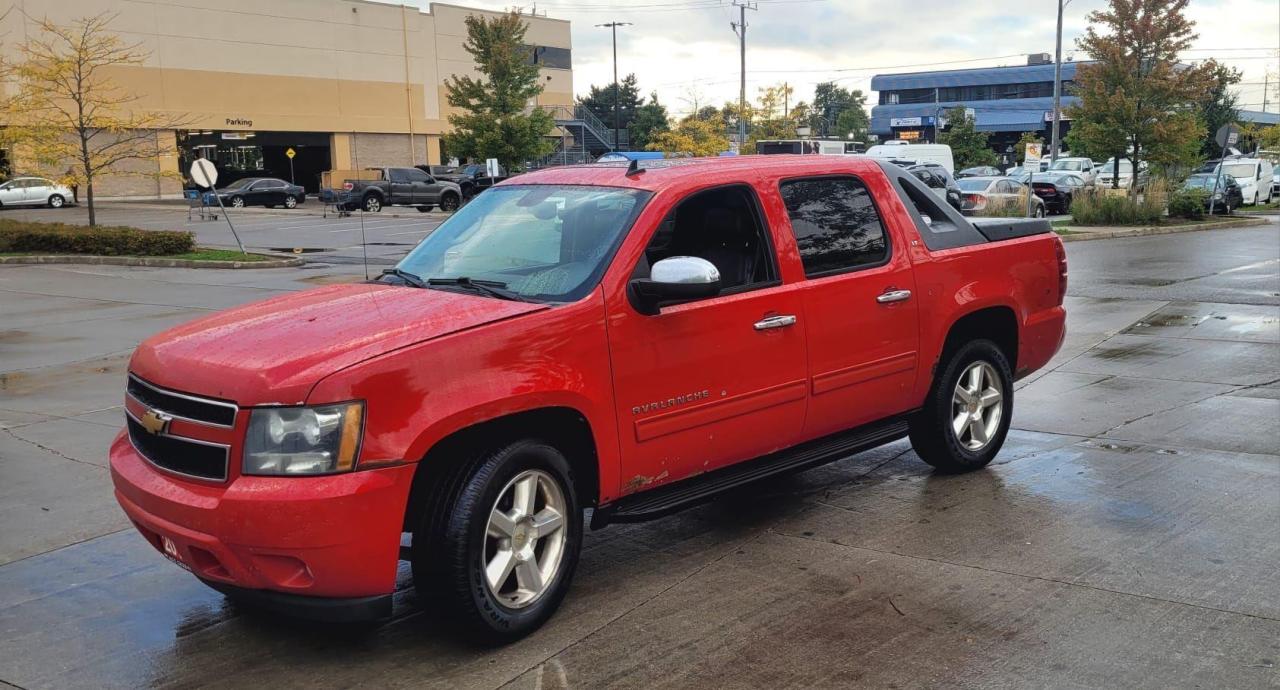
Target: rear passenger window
x: 835, y: 224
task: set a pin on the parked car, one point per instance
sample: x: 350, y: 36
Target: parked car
x: 1275, y: 182
x: 980, y: 192
x: 35, y: 191
x: 1057, y: 189
x: 979, y: 171
x: 937, y: 179
x: 257, y: 191
x: 1083, y: 167
x: 471, y: 179
x: 474, y: 397
x: 397, y: 187
x: 1225, y: 197
x: 1107, y: 176
x: 1253, y: 175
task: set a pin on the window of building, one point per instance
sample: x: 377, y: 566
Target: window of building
x: 835, y: 223
x: 551, y: 57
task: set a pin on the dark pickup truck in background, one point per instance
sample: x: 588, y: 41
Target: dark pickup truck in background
x: 395, y: 187
x: 472, y: 179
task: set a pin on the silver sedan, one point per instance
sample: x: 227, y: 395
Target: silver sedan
x: 35, y: 191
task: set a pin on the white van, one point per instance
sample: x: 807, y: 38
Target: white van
x: 1254, y: 176
x: 932, y: 153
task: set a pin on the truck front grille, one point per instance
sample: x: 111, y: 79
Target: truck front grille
x: 189, y: 407
x: 185, y: 456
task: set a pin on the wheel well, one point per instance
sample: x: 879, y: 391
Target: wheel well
x: 564, y: 428
x: 997, y: 324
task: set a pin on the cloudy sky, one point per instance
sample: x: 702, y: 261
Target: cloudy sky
x: 686, y: 51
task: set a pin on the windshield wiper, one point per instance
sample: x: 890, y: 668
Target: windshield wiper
x: 409, y: 279
x: 492, y: 288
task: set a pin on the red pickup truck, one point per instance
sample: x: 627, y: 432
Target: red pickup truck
x: 628, y: 340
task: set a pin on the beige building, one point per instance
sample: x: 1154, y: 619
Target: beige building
x: 343, y: 83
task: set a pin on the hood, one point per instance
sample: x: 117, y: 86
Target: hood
x: 274, y: 351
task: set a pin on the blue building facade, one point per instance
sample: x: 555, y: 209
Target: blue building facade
x: 1005, y: 101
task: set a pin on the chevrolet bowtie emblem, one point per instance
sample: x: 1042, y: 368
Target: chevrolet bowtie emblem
x: 155, y: 423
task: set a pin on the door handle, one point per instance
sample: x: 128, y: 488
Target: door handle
x: 769, y: 322
x: 890, y: 296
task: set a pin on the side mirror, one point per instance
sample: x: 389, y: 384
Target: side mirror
x: 672, y: 280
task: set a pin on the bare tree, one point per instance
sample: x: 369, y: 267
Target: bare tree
x: 66, y: 109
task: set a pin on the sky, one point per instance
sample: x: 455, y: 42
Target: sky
x: 686, y: 52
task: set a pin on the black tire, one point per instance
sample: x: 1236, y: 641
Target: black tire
x: 237, y: 202
x: 56, y: 201
x: 425, y: 209
x: 291, y: 202
x: 373, y: 203
x: 449, y: 202
x: 932, y: 434
x: 449, y: 544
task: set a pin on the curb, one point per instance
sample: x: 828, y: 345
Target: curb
x: 1085, y: 235
x: 316, y: 210
x: 155, y: 262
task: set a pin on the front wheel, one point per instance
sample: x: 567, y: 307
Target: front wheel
x: 56, y: 201
x: 1039, y: 212
x: 449, y: 203
x: 966, y: 416
x: 498, y: 552
x: 237, y: 202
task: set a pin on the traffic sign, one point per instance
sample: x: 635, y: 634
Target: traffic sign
x: 290, y: 153
x: 1035, y: 150
x: 203, y: 173
x: 1227, y: 135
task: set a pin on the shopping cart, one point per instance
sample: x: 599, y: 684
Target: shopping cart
x: 198, y: 204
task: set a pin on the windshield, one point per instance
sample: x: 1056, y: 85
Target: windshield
x: 1206, y: 181
x: 1064, y: 179
x: 1067, y: 165
x: 543, y: 242
x: 1242, y: 171
x: 973, y: 184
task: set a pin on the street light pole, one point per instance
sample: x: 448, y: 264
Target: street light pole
x: 1057, y: 90
x: 617, y: 120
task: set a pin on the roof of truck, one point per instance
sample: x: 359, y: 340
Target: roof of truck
x: 658, y: 174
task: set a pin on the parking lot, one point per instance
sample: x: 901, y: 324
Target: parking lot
x: 1127, y: 536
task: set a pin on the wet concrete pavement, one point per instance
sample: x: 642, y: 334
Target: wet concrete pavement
x: 1127, y: 536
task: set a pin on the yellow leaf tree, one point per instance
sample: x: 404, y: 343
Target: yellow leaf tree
x: 65, y: 110
x: 692, y: 137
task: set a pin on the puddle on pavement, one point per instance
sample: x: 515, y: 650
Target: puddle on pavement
x: 1247, y: 323
x: 1127, y: 352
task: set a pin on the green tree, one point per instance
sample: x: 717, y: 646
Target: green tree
x: 1136, y: 100
x: 830, y: 102
x: 493, y: 122
x: 969, y: 147
x: 853, y: 123
x: 651, y: 118
x: 599, y: 100
x: 1217, y: 107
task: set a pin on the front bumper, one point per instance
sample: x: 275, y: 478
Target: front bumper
x: 334, y: 540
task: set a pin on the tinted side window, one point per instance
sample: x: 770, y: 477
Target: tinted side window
x: 835, y: 223
x: 415, y: 175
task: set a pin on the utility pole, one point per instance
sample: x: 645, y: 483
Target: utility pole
x: 1057, y: 90
x: 740, y: 28
x: 617, y: 120
x: 1266, y: 86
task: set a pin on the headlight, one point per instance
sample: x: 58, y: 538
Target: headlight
x: 303, y: 440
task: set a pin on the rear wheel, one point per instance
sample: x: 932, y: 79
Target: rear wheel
x: 372, y: 204
x: 966, y: 416
x: 498, y: 552
x: 425, y: 209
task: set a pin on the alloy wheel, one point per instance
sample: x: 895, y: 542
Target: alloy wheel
x: 237, y: 202
x: 372, y: 204
x: 290, y: 202
x: 56, y: 201
x: 977, y: 406
x: 524, y: 539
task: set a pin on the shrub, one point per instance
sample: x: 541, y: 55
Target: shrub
x: 1096, y: 207
x: 1006, y: 208
x: 60, y: 238
x: 1188, y: 203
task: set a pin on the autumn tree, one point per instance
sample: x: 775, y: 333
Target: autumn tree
x: 692, y: 137
x: 969, y: 147
x: 1137, y: 101
x: 769, y: 118
x: 65, y: 109
x: 494, y: 119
